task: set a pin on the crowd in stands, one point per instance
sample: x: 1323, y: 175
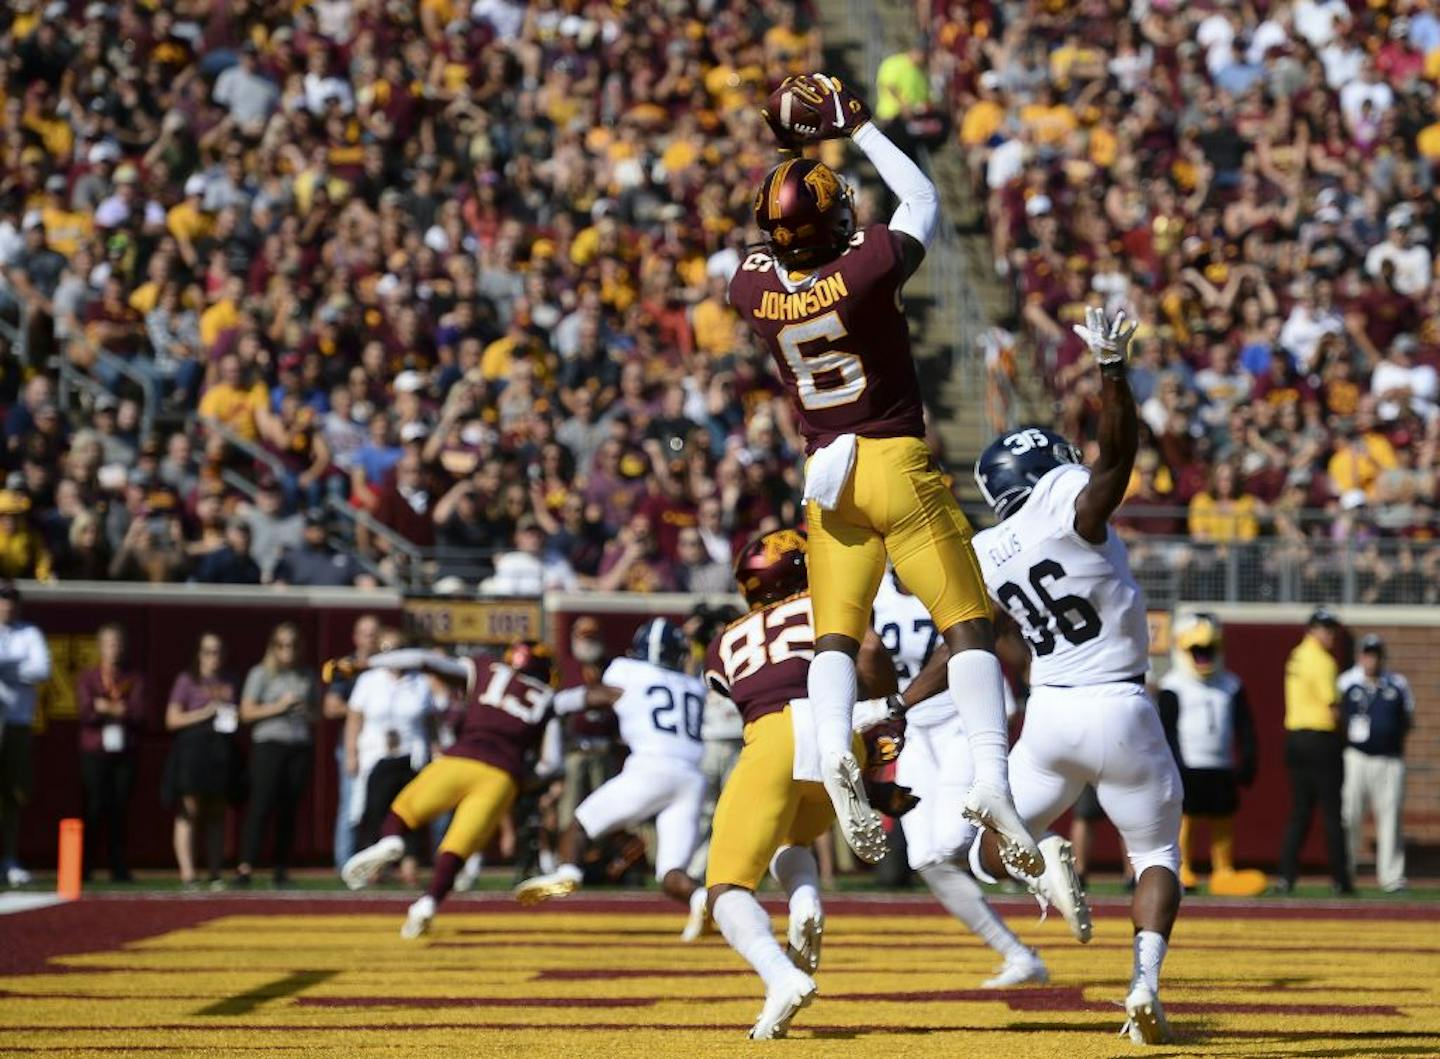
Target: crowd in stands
x: 1255, y: 182
x: 457, y: 268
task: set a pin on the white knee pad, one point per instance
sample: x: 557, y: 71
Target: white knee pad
x: 1167, y: 856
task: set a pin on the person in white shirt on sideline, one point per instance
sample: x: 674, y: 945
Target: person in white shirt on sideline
x: 24, y: 665
x: 388, y: 733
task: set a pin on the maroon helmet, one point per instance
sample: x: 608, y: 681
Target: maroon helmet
x: 771, y: 567
x: 806, y: 212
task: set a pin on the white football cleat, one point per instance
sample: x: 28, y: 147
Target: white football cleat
x: 699, y: 916
x: 1145, y: 1020
x: 469, y: 875
x: 807, y: 924
x: 994, y: 809
x: 1028, y: 969
x: 860, y: 824
x: 418, y: 917
x: 360, y: 870
x: 1060, y: 885
x: 781, y: 1004
x: 561, y: 882
x: 17, y: 876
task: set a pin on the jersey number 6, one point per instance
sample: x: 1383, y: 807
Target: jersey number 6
x: 807, y: 367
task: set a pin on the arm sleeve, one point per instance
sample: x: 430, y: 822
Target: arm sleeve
x: 571, y: 700
x: 35, y: 663
x: 1169, y: 706
x: 411, y: 658
x: 1245, y: 737
x: 551, y: 761
x: 919, y: 209
x: 1407, y: 703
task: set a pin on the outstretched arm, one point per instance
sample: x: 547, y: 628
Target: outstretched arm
x: 919, y: 210
x: 1119, y: 430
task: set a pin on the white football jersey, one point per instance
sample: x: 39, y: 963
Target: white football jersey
x: 909, y: 634
x: 661, y: 712
x: 1076, y: 603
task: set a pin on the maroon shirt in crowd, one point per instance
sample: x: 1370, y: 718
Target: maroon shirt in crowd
x: 839, y: 342
x: 126, y: 687
x: 192, y: 693
x: 762, y: 661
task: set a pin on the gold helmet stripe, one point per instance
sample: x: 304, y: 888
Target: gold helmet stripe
x: 777, y: 181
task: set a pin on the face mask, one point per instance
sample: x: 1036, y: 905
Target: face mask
x: 588, y: 651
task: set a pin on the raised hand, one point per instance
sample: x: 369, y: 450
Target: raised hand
x: 1107, y: 340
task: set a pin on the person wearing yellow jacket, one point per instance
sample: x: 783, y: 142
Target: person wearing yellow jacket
x: 1313, y: 749
x: 1212, y: 732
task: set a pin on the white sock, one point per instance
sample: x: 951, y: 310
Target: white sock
x: 747, y: 928
x: 795, y: 869
x: 962, y: 897
x: 1150, y: 949
x: 833, y: 689
x: 977, y: 687
x: 571, y: 872
x: 698, y: 899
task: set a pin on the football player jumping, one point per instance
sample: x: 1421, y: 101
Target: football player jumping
x: 824, y: 299
x: 660, y: 709
x: 506, y: 708
x: 766, y: 818
x: 1062, y: 573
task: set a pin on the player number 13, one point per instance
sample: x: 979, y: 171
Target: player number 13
x: 832, y: 362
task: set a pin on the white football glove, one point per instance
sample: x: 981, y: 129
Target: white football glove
x: 1108, y: 341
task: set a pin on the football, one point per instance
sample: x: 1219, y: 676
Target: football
x: 794, y: 111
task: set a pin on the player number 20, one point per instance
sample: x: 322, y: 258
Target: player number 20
x: 692, y: 711
x: 832, y: 362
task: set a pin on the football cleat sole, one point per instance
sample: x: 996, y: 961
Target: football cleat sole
x: 781, y: 1006
x: 995, y: 811
x: 806, y: 932
x: 361, y: 869
x: 1145, y: 1021
x: 859, y: 823
x: 544, y: 888
x: 1060, y: 885
x: 698, y: 922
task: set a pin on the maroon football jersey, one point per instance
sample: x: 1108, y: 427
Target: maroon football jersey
x: 761, y: 661
x: 503, y: 717
x: 839, y: 341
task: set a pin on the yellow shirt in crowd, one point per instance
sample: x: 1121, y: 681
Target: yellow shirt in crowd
x: 235, y: 407
x: 1310, y: 687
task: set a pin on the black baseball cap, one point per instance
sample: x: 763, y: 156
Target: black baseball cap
x: 1324, y: 616
x: 1372, y: 643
